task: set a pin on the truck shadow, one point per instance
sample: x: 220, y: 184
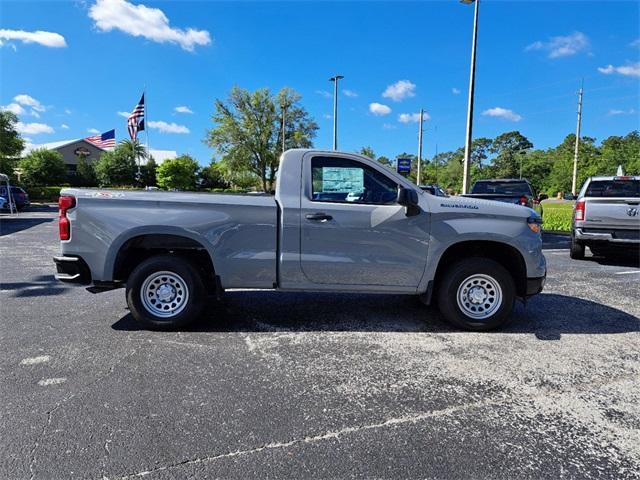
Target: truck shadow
x: 548, y: 316
x: 40, y: 286
x: 12, y: 224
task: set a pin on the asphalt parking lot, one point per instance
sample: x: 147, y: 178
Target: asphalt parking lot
x: 316, y: 386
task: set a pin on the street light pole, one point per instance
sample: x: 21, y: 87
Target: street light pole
x: 420, y: 147
x: 335, y: 109
x: 472, y: 80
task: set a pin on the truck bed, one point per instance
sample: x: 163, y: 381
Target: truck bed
x: 239, y: 231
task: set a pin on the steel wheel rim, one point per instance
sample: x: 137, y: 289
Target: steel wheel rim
x: 479, y: 296
x: 164, y: 294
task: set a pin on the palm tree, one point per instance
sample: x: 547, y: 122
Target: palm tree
x: 134, y: 149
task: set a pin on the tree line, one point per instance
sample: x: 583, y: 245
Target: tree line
x: 252, y: 129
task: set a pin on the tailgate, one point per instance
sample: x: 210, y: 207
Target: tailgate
x: 612, y: 212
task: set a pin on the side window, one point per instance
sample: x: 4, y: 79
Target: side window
x: 348, y: 181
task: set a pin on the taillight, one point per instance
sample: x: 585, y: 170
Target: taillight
x: 64, y: 204
x: 580, y: 210
x: 523, y: 200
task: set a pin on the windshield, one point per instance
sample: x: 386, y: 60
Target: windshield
x: 614, y: 188
x: 503, y: 188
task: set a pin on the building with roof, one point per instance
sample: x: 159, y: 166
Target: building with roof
x: 72, y: 150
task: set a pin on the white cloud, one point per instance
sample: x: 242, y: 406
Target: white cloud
x: 29, y: 101
x: 389, y: 126
x: 635, y: 43
x: 33, y: 113
x: 326, y: 116
x: 165, y: 127
x: 349, y: 93
x: 631, y: 70
x: 412, y: 117
x: 614, y: 111
x: 324, y: 93
x: 64, y: 126
x: 562, y: 46
x: 503, y: 113
x: 400, y: 90
x: 455, y: 91
x: 124, y: 114
x: 142, y: 21
x: 67, y: 111
x: 33, y: 128
x: 183, y: 109
x: 13, y: 108
x: 378, y: 109
x: 95, y: 131
x: 46, y: 39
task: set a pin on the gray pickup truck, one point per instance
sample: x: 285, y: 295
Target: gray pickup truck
x: 339, y: 222
x: 606, y: 217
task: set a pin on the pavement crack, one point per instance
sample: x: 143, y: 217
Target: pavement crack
x: 335, y: 434
x: 49, y: 413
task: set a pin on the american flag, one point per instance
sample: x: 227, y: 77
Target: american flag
x: 135, y: 123
x: 105, y: 140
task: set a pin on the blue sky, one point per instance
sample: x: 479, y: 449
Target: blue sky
x: 92, y: 59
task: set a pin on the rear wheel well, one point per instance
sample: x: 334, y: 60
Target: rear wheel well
x: 137, y: 249
x: 504, y: 254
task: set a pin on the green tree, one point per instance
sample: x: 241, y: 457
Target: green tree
x: 248, y: 130
x: 85, y: 173
x: 367, y: 152
x: 213, y: 176
x: 508, y: 148
x: 11, y: 144
x: 116, y: 167
x: 43, y: 167
x: 148, y: 171
x: 178, y: 173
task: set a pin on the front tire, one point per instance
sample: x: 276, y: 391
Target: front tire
x: 476, y: 294
x: 165, y: 292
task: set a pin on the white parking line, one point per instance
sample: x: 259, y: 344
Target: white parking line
x: 35, y: 360
x: 45, y: 382
x: 628, y: 272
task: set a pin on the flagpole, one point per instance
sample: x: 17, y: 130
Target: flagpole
x: 146, y: 122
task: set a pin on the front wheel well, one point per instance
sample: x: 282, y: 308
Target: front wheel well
x: 137, y: 249
x: 502, y: 253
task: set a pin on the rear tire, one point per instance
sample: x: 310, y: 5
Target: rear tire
x: 476, y: 294
x: 165, y: 292
x: 576, y: 250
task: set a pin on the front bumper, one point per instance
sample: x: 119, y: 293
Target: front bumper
x: 72, y: 270
x: 535, y: 285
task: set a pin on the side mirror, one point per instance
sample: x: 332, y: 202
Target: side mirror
x: 408, y: 198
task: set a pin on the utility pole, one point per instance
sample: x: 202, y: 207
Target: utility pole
x: 420, y: 146
x: 335, y: 109
x: 284, y: 116
x: 472, y: 82
x: 575, y: 153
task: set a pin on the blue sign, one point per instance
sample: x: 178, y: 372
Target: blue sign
x: 403, y: 166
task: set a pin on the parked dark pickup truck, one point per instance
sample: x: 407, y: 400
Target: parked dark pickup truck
x: 517, y: 191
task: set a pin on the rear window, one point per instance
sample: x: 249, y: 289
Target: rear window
x: 504, y: 188
x: 614, y: 188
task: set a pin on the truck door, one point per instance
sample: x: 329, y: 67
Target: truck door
x: 353, y: 232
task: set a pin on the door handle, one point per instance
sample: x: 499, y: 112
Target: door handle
x: 323, y: 217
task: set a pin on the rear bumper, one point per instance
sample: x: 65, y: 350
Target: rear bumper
x: 623, y: 237
x: 535, y: 285
x: 72, y: 270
